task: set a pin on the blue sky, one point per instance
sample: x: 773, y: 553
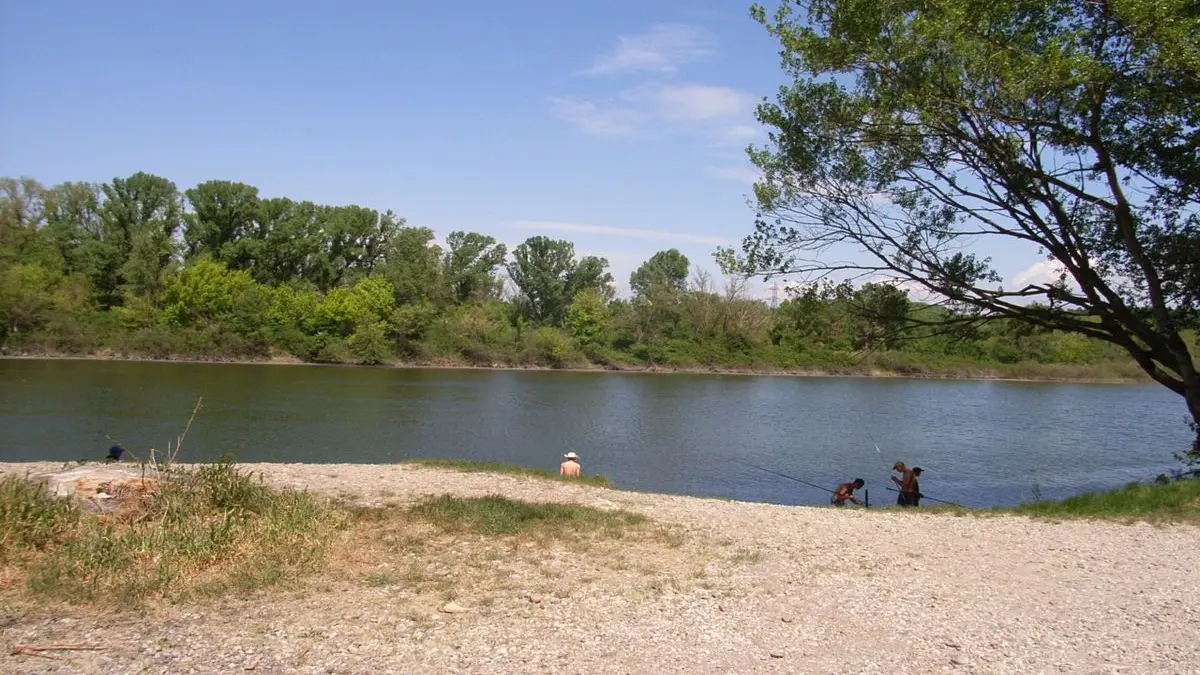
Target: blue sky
x: 620, y: 126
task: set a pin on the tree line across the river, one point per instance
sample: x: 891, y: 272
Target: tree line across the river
x: 136, y: 267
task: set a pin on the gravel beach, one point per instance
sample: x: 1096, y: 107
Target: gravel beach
x: 755, y: 588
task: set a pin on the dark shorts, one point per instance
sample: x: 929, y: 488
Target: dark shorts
x: 909, y: 499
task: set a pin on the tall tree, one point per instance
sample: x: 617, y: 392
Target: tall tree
x: 546, y: 272
x: 141, y: 216
x: 667, y: 270
x: 224, y: 216
x: 21, y: 214
x: 1068, y: 126
x: 882, y: 313
x: 354, y: 239
x: 74, y: 227
x: 590, y: 273
x: 413, y: 265
x: 292, y: 241
x: 470, y: 265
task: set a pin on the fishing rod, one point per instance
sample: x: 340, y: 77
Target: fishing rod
x: 866, y: 493
x: 784, y: 475
x: 935, y: 499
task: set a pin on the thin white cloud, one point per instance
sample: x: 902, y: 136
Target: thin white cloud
x: 622, y: 232
x: 1040, y: 273
x: 740, y: 174
x: 598, y: 119
x: 709, y: 111
x: 737, y: 135
x: 662, y: 49
x: 695, y: 103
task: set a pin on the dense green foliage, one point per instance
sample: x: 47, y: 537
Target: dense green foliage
x: 924, y: 136
x: 137, y: 268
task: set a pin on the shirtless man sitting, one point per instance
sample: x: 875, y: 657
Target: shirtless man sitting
x: 570, y: 466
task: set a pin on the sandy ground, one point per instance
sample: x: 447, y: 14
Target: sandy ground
x: 757, y: 589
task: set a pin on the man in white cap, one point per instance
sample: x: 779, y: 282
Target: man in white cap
x: 570, y: 466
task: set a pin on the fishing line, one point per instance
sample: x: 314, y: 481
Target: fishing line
x: 866, y: 494
x: 784, y: 475
x: 867, y: 429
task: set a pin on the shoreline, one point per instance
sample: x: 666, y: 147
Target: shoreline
x: 722, y: 587
x: 873, y: 373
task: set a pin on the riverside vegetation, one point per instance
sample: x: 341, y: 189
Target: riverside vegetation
x: 192, y: 533
x: 135, y: 268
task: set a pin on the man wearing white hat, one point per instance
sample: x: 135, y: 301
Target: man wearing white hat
x: 570, y: 465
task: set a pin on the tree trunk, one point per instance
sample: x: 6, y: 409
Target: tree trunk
x: 1192, y: 396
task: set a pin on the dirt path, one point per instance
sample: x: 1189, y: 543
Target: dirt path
x: 758, y: 589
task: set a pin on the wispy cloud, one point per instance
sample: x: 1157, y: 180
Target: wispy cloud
x: 661, y: 49
x: 741, y: 174
x: 693, y: 108
x: 738, y: 135
x: 621, y: 232
x: 694, y: 102
x: 598, y: 119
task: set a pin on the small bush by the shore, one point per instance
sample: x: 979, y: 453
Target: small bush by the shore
x: 474, y: 466
x: 496, y: 515
x: 202, y: 531
x: 1176, y: 501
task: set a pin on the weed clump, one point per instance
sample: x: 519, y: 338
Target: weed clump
x: 31, y: 518
x: 201, y: 531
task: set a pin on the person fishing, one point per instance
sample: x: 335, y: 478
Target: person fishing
x: 910, y: 487
x: 845, y: 493
x: 114, y: 454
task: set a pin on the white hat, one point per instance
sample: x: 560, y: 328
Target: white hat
x: 571, y: 455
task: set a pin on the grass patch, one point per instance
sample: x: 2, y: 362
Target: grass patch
x: 495, y: 515
x: 203, y: 531
x: 746, y: 556
x: 31, y: 518
x: 1177, y: 501
x: 473, y: 466
x: 381, y: 579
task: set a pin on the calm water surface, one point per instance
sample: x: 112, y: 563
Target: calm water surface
x: 980, y: 443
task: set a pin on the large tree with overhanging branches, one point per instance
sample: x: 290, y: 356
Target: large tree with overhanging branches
x: 915, y: 135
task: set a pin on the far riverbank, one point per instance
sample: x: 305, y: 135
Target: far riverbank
x: 1022, y: 372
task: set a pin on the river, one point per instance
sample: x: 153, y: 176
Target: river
x: 979, y: 443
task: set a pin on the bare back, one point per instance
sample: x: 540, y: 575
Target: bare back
x: 569, y: 468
